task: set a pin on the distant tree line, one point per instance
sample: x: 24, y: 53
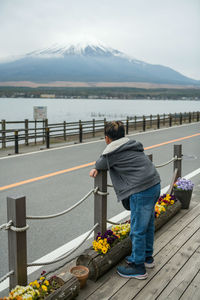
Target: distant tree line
x: 100, y: 92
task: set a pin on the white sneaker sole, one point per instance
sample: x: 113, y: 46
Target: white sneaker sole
x: 141, y: 277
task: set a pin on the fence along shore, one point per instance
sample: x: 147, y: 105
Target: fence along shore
x: 30, y: 132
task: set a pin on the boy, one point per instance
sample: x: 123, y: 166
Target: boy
x: 133, y: 176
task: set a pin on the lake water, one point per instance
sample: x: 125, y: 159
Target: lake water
x: 71, y: 110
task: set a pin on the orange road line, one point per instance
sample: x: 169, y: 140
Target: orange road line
x: 85, y: 165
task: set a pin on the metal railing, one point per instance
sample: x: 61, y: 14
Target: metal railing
x: 42, y: 132
x: 16, y: 223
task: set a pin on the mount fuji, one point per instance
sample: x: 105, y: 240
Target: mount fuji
x: 87, y: 63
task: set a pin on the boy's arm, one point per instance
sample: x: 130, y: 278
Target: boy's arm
x: 101, y: 163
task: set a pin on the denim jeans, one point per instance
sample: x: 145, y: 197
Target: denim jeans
x: 142, y: 206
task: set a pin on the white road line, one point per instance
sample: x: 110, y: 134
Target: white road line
x: 92, y: 142
x: 70, y: 245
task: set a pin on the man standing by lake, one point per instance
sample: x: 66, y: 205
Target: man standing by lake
x: 136, y: 181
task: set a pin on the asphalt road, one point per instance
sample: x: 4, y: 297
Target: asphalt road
x: 57, y: 193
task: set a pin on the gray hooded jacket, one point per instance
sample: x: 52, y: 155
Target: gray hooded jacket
x: 131, y: 171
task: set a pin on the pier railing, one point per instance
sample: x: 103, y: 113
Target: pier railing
x: 17, y: 227
x: 14, y: 133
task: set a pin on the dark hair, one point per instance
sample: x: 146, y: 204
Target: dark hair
x: 114, y: 130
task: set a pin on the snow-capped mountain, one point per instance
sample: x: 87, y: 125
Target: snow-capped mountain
x: 86, y: 63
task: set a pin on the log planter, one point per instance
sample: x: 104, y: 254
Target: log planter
x: 99, y: 264
x: 69, y: 289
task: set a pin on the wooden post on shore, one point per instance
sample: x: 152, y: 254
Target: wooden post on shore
x: 16, y: 142
x: 144, y: 123
x: 80, y: 132
x: 190, y: 117
x: 197, y: 116
x: 17, y: 245
x: 170, y: 120
x: 127, y: 124
x: 163, y: 119
x: 100, y: 203
x: 158, y: 121
x: 180, y: 118
x: 47, y: 137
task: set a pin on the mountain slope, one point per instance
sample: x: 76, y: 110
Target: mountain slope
x: 87, y: 63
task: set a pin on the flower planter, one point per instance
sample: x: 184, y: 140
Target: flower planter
x: 69, y: 289
x: 184, y: 197
x: 165, y: 217
x: 99, y: 264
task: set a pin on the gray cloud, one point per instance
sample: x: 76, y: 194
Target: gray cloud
x: 156, y: 31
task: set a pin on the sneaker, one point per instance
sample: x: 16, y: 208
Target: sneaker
x: 149, y: 262
x: 133, y: 271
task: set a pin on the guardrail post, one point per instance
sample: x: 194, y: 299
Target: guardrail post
x: 80, y: 132
x: 26, y: 131
x: 163, y: 119
x: 158, y: 121
x: 17, y: 247
x: 93, y: 127
x: 100, y: 203
x: 144, y: 123
x: 16, y: 142
x: 170, y: 120
x: 127, y: 124
x: 3, y: 128
x: 64, y: 130
x: 150, y: 121
x: 135, y: 122
x: 197, y: 116
x: 181, y: 118
x: 178, y: 163
x: 47, y: 137
x: 190, y: 117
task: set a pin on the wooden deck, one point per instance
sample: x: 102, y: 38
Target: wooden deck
x: 177, y: 271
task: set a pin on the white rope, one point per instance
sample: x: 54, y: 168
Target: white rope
x: 67, y: 254
x: 96, y: 191
x: 6, y: 276
x: 113, y: 223
x: 63, y: 212
x: 8, y: 226
x: 168, y: 162
x: 110, y: 185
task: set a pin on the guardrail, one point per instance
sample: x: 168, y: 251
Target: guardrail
x: 43, y: 132
x: 16, y: 222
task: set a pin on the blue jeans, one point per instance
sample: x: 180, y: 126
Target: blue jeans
x: 142, y: 206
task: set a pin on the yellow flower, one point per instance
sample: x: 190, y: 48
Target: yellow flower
x: 104, y: 250
x: 46, y: 282
x: 42, y: 278
x: 44, y: 288
x: 172, y: 201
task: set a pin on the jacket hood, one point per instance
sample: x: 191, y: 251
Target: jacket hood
x: 123, y: 144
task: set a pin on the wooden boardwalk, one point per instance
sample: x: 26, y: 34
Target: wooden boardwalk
x: 177, y: 265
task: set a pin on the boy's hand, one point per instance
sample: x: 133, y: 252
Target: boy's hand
x: 94, y: 173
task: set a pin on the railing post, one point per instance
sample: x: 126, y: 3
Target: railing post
x: 150, y: 121
x: 100, y: 203
x: 17, y: 247
x: 181, y: 118
x: 16, y: 142
x: 178, y: 163
x: 170, y: 120
x: 93, y: 127
x: 64, y: 130
x: 26, y: 131
x: 144, y: 123
x: 47, y: 137
x: 80, y: 132
x: 158, y: 121
x: 135, y: 122
x: 190, y: 117
x: 163, y: 119
x: 3, y: 128
x: 127, y: 124
x: 197, y: 116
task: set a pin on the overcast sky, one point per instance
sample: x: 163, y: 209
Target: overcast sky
x: 163, y: 32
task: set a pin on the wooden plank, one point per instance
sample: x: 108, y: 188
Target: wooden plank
x: 193, y: 291
x: 163, y: 275
x: 164, y: 254
x: 183, y: 279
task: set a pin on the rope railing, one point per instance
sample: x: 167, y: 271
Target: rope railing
x: 67, y: 254
x: 8, y: 226
x: 65, y: 211
x: 6, y: 276
x: 168, y: 162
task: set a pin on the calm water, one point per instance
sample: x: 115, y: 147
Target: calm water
x: 59, y: 110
